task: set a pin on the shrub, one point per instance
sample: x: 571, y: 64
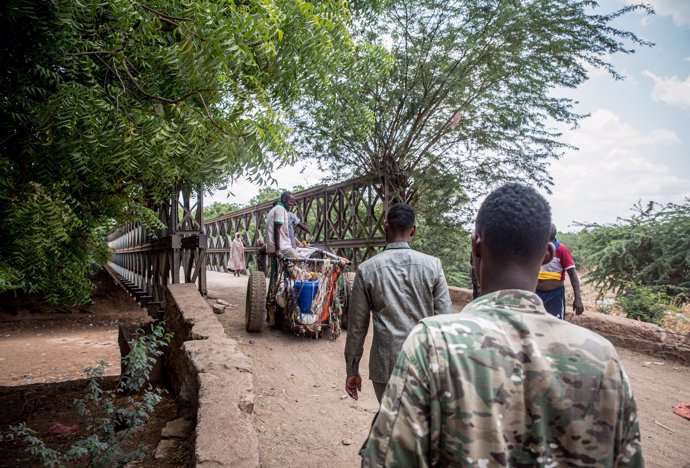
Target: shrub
x: 109, y: 427
x: 644, y: 303
x: 651, y: 248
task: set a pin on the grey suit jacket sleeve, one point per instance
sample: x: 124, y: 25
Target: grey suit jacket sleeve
x: 357, y: 326
x: 442, y: 302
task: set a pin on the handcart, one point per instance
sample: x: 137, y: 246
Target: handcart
x: 308, y: 297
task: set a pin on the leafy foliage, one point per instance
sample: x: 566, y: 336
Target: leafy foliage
x: 219, y: 209
x: 105, y: 445
x: 106, y: 107
x: 268, y: 194
x: 649, y: 249
x: 467, y: 88
x: 441, y: 226
x: 272, y: 194
x: 644, y: 303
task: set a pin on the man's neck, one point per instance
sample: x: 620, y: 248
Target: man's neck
x: 509, y: 277
x: 405, y: 239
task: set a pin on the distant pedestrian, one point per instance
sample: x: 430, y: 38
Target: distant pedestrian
x: 237, y: 263
x: 503, y: 383
x: 396, y: 289
x: 551, y: 285
x: 295, y: 222
x: 261, y: 256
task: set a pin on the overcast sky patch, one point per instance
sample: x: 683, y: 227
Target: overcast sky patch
x: 615, y: 167
x: 679, y: 10
x: 672, y: 91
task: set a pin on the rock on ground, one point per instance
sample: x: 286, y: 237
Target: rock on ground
x: 178, y: 428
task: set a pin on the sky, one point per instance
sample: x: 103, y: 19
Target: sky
x: 634, y: 145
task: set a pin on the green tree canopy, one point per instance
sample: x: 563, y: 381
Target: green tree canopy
x: 272, y: 194
x: 441, y: 221
x: 471, y: 89
x: 649, y: 249
x: 106, y: 106
x: 219, y: 209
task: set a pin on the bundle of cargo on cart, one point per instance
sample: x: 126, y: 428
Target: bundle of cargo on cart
x: 309, y: 294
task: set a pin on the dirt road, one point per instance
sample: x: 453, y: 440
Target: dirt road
x: 56, y: 347
x: 303, y: 415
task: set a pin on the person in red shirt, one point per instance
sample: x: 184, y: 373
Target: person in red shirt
x: 551, y: 285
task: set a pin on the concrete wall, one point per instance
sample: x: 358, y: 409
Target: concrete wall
x: 209, y: 374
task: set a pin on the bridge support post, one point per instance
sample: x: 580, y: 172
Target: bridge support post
x: 144, y: 261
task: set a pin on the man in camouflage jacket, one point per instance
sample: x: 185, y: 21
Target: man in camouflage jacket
x: 504, y: 383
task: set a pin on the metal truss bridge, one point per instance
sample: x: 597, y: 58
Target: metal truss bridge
x: 346, y: 217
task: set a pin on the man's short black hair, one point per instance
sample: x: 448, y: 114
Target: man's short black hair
x: 400, y: 217
x: 514, y: 222
x: 554, y: 231
x: 285, y: 196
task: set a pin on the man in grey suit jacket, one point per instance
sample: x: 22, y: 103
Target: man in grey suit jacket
x: 398, y: 288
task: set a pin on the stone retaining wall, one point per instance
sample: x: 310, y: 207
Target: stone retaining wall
x: 209, y: 374
x: 460, y: 297
x: 638, y: 336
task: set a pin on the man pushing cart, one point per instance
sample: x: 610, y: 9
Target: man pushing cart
x: 304, y: 292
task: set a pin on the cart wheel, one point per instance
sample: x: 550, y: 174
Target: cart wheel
x: 256, y: 302
x: 346, y: 295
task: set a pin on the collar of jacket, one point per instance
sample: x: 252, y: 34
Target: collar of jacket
x: 514, y: 299
x: 397, y: 245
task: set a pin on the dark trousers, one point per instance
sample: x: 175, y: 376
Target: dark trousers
x: 261, y: 262
x: 275, y: 318
x: 554, y: 301
x: 379, y: 388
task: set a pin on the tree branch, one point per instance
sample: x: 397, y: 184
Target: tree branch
x: 155, y: 97
x: 164, y: 16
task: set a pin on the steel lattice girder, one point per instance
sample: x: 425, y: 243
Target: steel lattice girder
x: 144, y: 260
x: 347, y: 217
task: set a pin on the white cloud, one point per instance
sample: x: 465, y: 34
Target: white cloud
x: 617, y: 165
x: 672, y: 90
x: 679, y: 10
x: 596, y: 72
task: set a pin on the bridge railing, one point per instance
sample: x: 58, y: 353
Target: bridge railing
x: 145, y: 260
x: 346, y: 217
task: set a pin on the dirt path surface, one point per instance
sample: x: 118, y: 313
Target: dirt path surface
x: 55, y: 347
x: 660, y: 385
x: 303, y: 416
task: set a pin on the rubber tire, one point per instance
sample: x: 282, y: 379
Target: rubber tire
x: 349, y: 280
x: 256, y: 302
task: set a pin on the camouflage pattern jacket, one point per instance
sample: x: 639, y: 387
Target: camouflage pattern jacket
x: 505, y: 384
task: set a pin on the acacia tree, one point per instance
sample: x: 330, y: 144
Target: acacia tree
x: 105, y: 105
x: 471, y: 90
x: 649, y: 249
